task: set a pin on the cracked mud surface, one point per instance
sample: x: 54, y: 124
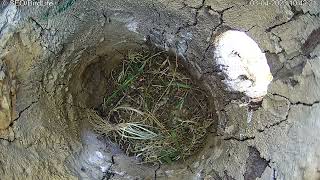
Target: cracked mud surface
x: 43, y: 60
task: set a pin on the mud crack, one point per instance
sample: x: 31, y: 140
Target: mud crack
x: 221, y: 22
x: 24, y: 110
x: 43, y: 31
x: 156, y: 171
x: 19, y: 115
x: 286, y: 119
x: 299, y: 102
x: 241, y: 139
x: 296, y: 14
x: 196, y: 17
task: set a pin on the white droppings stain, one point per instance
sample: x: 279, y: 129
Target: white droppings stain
x: 242, y: 63
x: 99, y: 155
x: 9, y: 18
x: 104, y: 168
x: 249, y: 116
x: 94, y: 155
x: 132, y: 26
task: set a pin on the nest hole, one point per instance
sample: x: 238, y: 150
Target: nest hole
x: 149, y: 105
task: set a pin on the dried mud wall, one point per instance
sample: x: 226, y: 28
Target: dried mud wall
x: 47, y: 85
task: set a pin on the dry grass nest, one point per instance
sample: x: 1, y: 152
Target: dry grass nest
x: 153, y: 109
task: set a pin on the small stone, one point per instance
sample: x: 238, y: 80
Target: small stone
x: 4, y: 142
x: 2, y: 75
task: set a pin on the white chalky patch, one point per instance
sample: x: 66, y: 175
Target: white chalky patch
x: 99, y: 154
x: 242, y: 63
x: 132, y: 26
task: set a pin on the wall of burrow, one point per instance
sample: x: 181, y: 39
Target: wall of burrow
x: 55, y: 60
